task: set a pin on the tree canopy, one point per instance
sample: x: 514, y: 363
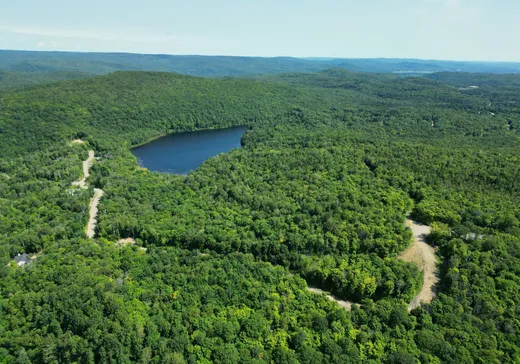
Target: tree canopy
x: 318, y: 195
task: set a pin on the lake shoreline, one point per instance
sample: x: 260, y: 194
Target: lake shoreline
x: 181, y: 153
x: 132, y: 147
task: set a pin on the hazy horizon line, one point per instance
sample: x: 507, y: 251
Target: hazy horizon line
x: 314, y: 58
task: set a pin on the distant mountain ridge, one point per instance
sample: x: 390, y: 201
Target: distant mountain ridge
x: 224, y: 66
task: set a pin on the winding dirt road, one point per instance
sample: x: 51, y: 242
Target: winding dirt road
x: 423, y: 255
x: 91, y: 226
x: 86, y: 170
x: 347, y: 305
x: 98, y: 193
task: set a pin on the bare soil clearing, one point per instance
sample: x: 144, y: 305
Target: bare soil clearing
x: 130, y: 241
x: 78, y: 141
x: 423, y: 255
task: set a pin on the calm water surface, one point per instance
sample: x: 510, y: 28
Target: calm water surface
x: 182, y: 152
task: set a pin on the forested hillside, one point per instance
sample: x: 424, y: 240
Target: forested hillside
x: 11, y: 80
x: 333, y: 163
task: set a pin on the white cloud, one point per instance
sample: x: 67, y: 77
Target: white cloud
x: 121, y: 36
x: 47, y: 44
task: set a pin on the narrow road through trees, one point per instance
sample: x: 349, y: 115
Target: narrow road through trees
x: 98, y: 193
x: 91, y: 226
x: 82, y: 183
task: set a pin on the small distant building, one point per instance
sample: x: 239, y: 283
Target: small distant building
x: 22, y: 260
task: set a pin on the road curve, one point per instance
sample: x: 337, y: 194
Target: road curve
x: 419, y: 253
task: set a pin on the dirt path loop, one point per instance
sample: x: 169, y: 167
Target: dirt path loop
x: 82, y: 183
x: 423, y: 255
x: 347, y: 305
x: 91, y: 226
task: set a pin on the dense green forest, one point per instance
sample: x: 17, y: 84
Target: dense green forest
x: 317, y: 196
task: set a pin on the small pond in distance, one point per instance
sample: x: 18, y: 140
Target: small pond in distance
x: 180, y: 153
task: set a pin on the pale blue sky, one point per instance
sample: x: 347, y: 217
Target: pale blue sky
x: 431, y: 29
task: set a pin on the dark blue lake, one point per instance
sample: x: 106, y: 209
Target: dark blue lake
x: 182, y: 152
